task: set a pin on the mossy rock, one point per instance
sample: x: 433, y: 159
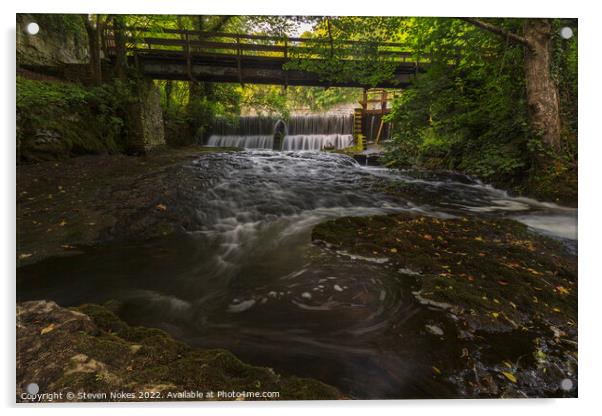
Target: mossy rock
x: 88, y: 349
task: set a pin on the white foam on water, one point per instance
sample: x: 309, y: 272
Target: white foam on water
x: 253, y: 142
x: 242, y: 306
x: 317, y: 141
x: 563, y: 226
x: 308, y: 142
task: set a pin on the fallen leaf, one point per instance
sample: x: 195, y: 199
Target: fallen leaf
x: 393, y: 250
x: 495, y: 314
x: 161, y: 207
x: 25, y: 255
x: 63, y: 223
x: 562, y: 290
x: 509, y: 376
x: 436, y: 370
x: 47, y: 329
x: 503, y: 282
x: 427, y: 237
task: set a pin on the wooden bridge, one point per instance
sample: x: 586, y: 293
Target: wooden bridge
x: 191, y: 55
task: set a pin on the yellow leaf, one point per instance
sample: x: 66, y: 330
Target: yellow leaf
x: 393, y: 250
x: 509, y: 376
x: 436, y: 370
x: 47, y: 329
x: 24, y: 255
x: 479, y: 238
x: 495, y: 314
x: 562, y: 290
x: 63, y: 223
x: 507, y: 364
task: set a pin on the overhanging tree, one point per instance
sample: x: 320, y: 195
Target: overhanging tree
x: 542, y: 92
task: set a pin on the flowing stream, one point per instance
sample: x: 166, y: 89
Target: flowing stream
x: 248, y: 278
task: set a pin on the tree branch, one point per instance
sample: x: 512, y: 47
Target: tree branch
x: 513, y: 37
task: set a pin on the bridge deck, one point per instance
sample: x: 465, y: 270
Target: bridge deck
x: 240, y: 58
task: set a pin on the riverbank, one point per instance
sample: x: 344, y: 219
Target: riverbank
x: 88, y: 354
x: 92, y: 199
x: 511, y: 295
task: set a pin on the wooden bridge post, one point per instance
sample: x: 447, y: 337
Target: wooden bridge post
x: 285, y: 60
x: 188, y: 59
x: 238, y: 61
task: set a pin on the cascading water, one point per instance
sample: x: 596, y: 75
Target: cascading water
x: 314, y: 132
x: 372, y: 127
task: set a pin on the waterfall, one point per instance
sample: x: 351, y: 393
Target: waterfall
x: 314, y: 132
x: 372, y: 125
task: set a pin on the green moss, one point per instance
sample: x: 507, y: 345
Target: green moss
x: 61, y: 119
x: 116, y: 356
x: 103, y: 318
x: 494, y: 269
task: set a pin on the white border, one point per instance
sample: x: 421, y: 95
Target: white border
x: 589, y: 230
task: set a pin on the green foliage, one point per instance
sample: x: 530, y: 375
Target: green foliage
x: 341, y: 61
x: 64, y: 25
x: 469, y: 112
x: 190, y: 116
x: 82, y: 119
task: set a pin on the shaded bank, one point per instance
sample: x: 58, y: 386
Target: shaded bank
x: 88, y: 351
x: 89, y: 200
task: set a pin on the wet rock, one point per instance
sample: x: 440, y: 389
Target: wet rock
x: 434, y: 329
x: 88, y: 349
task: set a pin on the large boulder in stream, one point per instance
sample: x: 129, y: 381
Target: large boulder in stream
x: 87, y: 353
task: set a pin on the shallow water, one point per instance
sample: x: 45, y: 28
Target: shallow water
x: 248, y: 279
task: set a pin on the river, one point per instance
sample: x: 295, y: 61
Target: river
x: 247, y: 277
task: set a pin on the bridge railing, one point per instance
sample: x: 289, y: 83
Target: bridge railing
x: 194, y: 42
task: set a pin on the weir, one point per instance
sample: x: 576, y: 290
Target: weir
x: 312, y: 132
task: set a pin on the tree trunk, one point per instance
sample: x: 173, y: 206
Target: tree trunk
x: 542, y: 92
x: 120, y: 47
x: 94, y: 46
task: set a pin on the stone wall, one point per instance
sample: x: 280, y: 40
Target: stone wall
x: 146, y: 118
x: 61, y: 40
